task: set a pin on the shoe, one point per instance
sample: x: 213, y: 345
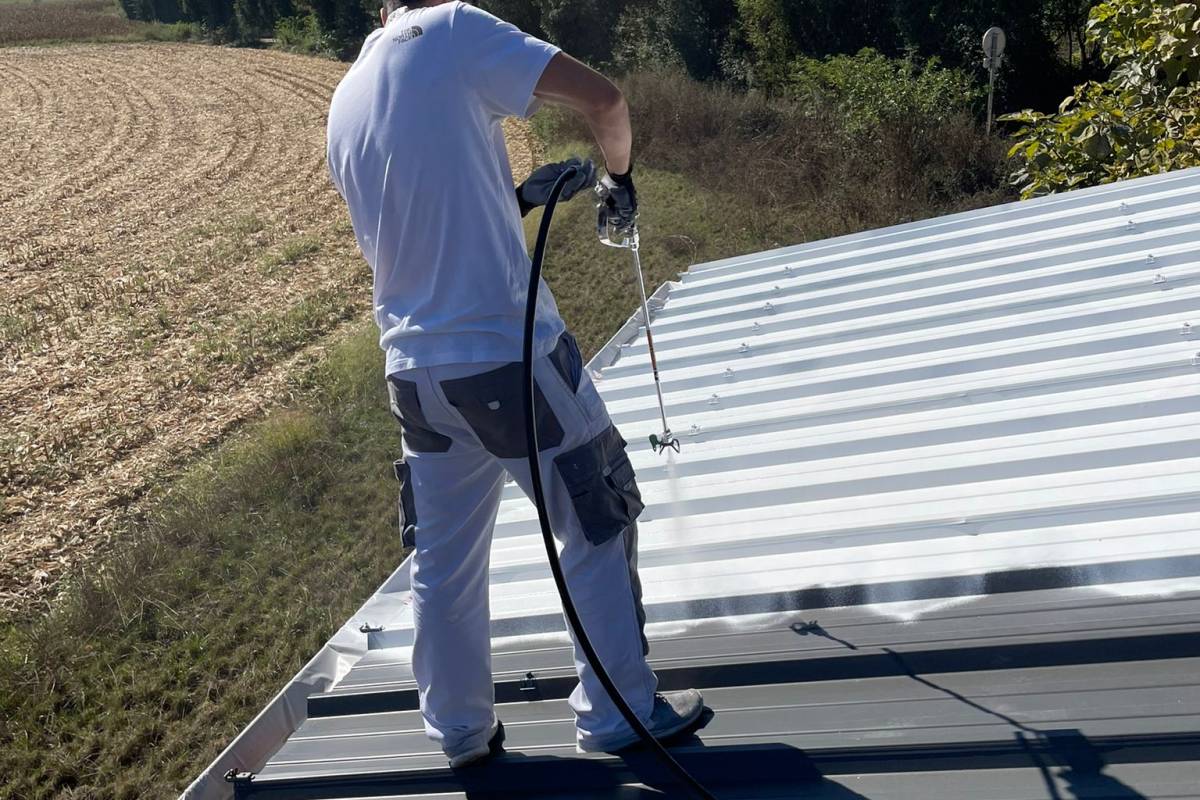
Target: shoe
x: 674, y: 713
x: 494, y: 745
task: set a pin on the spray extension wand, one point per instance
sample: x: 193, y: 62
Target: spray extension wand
x: 628, y: 237
x: 539, y: 498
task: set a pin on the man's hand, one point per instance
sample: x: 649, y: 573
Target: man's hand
x: 616, y: 200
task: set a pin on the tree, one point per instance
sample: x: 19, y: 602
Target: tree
x: 1143, y: 120
x: 678, y: 33
x: 1066, y: 21
x: 525, y: 14
x: 584, y: 28
x: 258, y: 17
x: 779, y: 31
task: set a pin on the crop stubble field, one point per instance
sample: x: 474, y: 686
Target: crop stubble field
x: 172, y: 253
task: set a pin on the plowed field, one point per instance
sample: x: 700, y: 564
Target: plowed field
x: 171, y: 252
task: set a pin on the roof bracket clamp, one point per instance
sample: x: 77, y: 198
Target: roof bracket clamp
x: 238, y: 778
x: 529, y: 688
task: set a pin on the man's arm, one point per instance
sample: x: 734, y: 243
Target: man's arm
x: 597, y: 99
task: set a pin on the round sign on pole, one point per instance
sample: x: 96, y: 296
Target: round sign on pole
x: 993, y: 42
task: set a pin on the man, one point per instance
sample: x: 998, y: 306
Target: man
x: 416, y: 149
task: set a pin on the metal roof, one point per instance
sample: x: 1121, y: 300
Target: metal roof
x: 933, y: 530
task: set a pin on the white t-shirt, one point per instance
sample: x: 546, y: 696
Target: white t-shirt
x: 416, y: 149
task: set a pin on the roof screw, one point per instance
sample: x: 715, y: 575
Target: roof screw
x: 756, y: 327
x: 1130, y: 225
x: 1196, y: 360
x: 769, y: 307
x: 1160, y: 278
x: 1150, y: 259
x: 777, y: 289
x: 694, y: 430
x: 715, y: 400
x: 1186, y: 330
x: 729, y: 373
x: 1124, y: 206
x: 788, y: 270
x: 745, y: 348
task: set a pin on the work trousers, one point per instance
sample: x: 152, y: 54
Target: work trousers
x: 463, y: 429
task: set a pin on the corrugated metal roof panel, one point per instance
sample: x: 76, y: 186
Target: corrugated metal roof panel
x: 934, y: 525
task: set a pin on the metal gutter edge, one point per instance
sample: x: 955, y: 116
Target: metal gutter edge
x: 608, y: 355
x: 267, y: 732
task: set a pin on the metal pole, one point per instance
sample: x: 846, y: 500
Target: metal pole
x: 637, y: 268
x: 991, y: 87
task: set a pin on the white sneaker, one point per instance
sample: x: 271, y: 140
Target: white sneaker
x: 674, y: 713
x: 493, y: 745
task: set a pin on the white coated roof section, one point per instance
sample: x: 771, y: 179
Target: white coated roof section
x: 1007, y: 388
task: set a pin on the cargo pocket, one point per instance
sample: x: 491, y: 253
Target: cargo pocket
x: 493, y: 405
x: 408, y: 505
x: 406, y: 408
x: 600, y: 480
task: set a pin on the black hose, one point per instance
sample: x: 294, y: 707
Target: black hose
x: 539, y: 500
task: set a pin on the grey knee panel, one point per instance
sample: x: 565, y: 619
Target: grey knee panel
x: 603, y: 490
x: 408, y: 504
x: 567, y: 360
x: 406, y: 408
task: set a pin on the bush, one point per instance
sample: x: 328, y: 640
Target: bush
x: 1145, y: 119
x: 345, y: 22
x: 177, y: 32
x: 870, y: 90
x: 303, y: 35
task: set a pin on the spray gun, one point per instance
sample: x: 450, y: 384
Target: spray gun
x: 614, y: 234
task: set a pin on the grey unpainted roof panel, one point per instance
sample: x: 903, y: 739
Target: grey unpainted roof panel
x: 932, y: 531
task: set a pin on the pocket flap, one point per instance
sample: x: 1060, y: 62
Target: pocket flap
x: 581, y: 466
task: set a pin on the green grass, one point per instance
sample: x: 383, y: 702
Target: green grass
x: 253, y: 341
x: 291, y: 252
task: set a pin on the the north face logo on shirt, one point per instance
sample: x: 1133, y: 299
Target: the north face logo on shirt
x: 408, y: 34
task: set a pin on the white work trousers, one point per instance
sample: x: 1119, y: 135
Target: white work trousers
x: 463, y: 428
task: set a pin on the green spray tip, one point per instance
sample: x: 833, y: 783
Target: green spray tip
x: 660, y: 443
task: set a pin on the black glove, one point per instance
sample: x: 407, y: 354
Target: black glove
x: 535, y: 191
x: 616, y: 200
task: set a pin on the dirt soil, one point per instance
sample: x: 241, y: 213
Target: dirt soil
x: 172, y: 251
